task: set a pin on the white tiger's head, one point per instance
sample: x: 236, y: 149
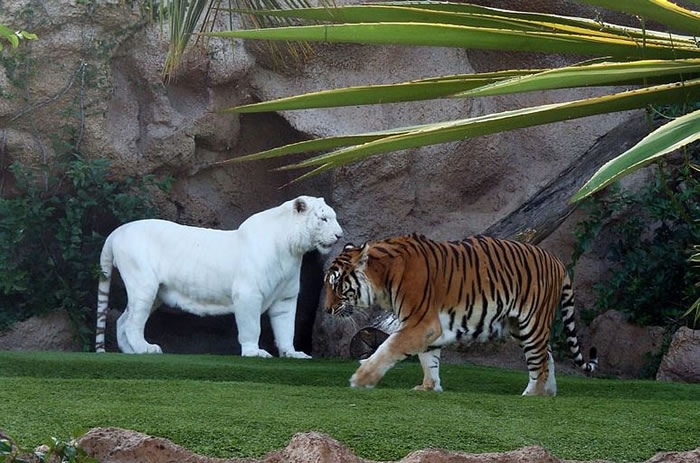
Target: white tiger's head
x: 320, y: 229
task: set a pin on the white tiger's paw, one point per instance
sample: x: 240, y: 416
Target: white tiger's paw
x: 146, y: 348
x: 153, y: 349
x: 295, y: 354
x: 256, y: 353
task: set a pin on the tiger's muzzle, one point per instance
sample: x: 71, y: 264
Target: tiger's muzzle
x: 342, y: 310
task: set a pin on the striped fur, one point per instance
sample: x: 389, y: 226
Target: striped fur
x: 106, y: 266
x: 448, y: 291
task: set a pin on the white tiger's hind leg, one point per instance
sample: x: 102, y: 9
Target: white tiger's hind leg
x: 134, y: 327
x: 430, y: 361
x: 122, y: 341
x: 141, y: 300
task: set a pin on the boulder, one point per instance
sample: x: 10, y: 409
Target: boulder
x: 691, y: 456
x: 316, y: 447
x: 682, y: 361
x: 624, y: 348
x: 114, y: 445
x: 51, y: 332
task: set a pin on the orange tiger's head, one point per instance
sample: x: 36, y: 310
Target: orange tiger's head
x: 346, y: 284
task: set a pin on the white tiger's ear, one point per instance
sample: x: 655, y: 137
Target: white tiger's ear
x: 300, y: 205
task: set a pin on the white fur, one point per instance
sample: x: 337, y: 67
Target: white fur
x: 208, y: 272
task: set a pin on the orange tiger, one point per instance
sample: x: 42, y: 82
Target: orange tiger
x: 442, y: 292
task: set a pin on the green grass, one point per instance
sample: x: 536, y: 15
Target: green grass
x: 228, y: 406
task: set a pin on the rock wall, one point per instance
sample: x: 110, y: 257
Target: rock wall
x: 103, y: 61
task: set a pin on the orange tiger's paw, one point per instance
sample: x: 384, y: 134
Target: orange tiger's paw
x: 423, y: 387
x: 364, y: 379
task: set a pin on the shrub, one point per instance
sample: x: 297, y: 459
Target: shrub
x: 652, y: 233
x: 54, y: 451
x: 51, y: 236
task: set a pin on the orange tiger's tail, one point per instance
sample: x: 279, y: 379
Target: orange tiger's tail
x: 567, y: 308
x: 106, y: 267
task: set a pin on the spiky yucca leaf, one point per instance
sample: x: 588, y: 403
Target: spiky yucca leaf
x: 456, y: 36
x: 640, y: 57
x: 186, y: 17
x: 183, y: 16
x: 667, y: 138
x: 487, y: 84
x: 443, y: 132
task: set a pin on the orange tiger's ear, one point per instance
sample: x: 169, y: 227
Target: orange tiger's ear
x: 364, y: 256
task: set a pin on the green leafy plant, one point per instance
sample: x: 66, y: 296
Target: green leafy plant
x: 52, y: 232
x: 694, y: 309
x: 53, y: 451
x: 650, y: 233
x: 653, y: 360
x: 14, y: 37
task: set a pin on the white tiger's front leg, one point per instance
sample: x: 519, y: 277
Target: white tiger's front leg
x: 430, y: 361
x: 282, y: 318
x: 247, y: 308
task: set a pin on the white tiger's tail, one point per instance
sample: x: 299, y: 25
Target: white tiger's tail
x: 106, y: 267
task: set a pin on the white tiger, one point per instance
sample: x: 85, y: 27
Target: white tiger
x: 208, y: 272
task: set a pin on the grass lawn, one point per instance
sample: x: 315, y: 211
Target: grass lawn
x: 227, y: 406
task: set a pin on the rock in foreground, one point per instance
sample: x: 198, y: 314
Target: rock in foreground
x: 114, y: 445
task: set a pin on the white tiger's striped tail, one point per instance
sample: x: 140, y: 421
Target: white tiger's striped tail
x: 106, y: 267
x: 567, y: 308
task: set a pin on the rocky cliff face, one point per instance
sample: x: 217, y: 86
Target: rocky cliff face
x: 103, y: 61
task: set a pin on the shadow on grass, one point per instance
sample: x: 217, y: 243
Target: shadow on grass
x: 317, y: 372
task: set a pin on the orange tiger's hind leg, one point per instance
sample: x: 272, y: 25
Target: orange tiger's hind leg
x: 430, y: 361
x: 540, y: 364
x: 538, y: 355
x: 398, y: 346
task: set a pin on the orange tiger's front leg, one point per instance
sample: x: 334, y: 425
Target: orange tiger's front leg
x: 398, y: 346
x: 430, y: 362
